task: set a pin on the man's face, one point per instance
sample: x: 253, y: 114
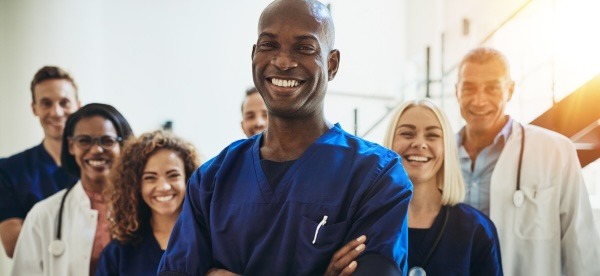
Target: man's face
x: 292, y: 62
x: 54, y: 101
x: 254, y: 115
x: 483, y: 89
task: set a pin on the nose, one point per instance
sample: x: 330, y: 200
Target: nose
x: 479, y: 98
x: 96, y: 148
x: 57, y: 110
x: 165, y: 186
x: 261, y: 122
x: 419, y: 143
x: 284, y: 61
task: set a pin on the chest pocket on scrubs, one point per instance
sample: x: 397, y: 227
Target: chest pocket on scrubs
x: 538, y: 217
x: 329, y: 239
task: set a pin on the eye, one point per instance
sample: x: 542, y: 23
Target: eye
x: 433, y: 136
x: 468, y: 89
x: 407, y: 134
x: 266, y: 45
x: 46, y: 103
x: 307, y: 49
x: 65, y: 103
x: 174, y: 175
x: 149, y: 178
x: 84, y: 141
x: 493, y: 89
x: 108, y: 141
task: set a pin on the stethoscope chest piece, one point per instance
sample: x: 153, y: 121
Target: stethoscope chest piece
x: 56, y: 248
x: 518, y: 198
x: 416, y: 271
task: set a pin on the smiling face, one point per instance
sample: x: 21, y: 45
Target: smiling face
x: 419, y: 140
x: 163, y: 183
x: 292, y: 60
x: 54, y: 101
x: 483, y: 90
x: 254, y: 114
x: 94, y: 161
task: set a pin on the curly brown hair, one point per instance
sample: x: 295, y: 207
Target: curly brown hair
x: 128, y: 212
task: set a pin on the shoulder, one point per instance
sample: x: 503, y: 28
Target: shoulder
x: 545, y: 135
x: 233, y: 151
x: 21, y: 159
x: 44, y: 211
x: 360, y: 148
x: 50, y: 203
x: 469, y: 216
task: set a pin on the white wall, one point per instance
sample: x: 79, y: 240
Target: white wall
x: 186, y: 61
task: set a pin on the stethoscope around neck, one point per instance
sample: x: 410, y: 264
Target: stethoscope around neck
x: 57, y: 246
x: 519, y: 196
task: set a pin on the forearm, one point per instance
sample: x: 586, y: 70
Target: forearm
x: 9, y: 233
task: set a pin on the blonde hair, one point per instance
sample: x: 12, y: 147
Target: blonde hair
x: 449, y: 178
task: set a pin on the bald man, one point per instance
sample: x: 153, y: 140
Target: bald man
x: 283, y: 201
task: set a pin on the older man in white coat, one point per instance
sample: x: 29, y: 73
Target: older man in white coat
x: 527, y: 179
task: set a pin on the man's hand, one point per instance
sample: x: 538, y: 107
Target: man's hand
x: 344, y: 260
x: 9, y: 233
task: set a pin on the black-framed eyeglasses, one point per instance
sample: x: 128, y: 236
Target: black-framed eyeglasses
x: 86, y: 141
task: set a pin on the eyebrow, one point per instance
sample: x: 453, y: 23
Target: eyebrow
x: 414, y: 127
x: 301, y: 37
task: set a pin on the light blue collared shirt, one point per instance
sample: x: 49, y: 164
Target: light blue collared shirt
x: 477, y: 181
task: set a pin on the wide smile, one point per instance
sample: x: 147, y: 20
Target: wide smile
x: 281, y: 84
x: 56, y: 124
x: 480, y: 113
x: 97, y: 163
x: 164, y: 198
x: 417, y: 158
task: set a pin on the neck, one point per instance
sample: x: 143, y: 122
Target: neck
x: 53, y: 147
x: 162, y: 225
x: 475, y: 141
x: 287, y: 139
x: 424, y: 205
x: 93, y: 186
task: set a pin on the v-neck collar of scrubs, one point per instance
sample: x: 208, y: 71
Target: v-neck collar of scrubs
x: 430, y: 237
x: 265, y: 188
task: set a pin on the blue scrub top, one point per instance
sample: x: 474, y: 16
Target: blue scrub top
x: 468, y: 246
x: 233, y: 219
x: 131, y: 258
x: 29, y: 177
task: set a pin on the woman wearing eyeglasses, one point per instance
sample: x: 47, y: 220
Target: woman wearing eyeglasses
x: 144, y: 200
x: 65, y: 233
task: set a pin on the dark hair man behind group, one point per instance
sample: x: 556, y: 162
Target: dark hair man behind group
x: 283, y: 201
x: 33, y: 175
x: 254, y: 113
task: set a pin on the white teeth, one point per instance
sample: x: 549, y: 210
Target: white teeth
x: 417, y: 158
x: 285, y: 83
x: 97, y: 163
x: 164, y: 198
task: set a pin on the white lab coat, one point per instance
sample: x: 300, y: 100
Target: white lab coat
x: 39, y: 229
x: 552, y: 233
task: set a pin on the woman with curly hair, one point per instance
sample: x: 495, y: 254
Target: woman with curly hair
x: 144, y: 201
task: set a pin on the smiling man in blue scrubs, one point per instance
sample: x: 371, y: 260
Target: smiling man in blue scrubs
x: 283, y: 201
x: 34, y: 174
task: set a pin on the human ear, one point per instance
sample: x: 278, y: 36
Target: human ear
x: 333, y: 63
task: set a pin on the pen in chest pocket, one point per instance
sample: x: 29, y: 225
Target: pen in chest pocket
x: 319, y: 227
